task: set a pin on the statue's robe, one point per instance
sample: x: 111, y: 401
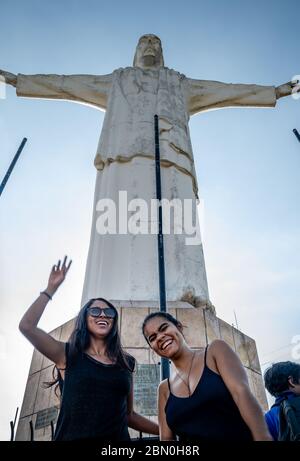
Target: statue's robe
x: 125, y: 266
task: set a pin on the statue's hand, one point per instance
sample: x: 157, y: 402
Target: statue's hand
x: 10, y: 79
x: 287, y: 89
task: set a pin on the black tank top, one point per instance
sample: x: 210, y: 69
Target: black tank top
x: 94, y: 401
x: 210, y: 413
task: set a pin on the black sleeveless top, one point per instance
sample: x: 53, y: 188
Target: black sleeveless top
x: 94, y: 401
x: 209, y: 414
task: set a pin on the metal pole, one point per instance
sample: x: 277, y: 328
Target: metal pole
x: 12, y: 165
x: 52, y: 429
x: 31, y: 431
x: 12, y: 431
x: 165, y: 367
x: 13, y: 425
x: 296, y: 134
x: 16, y: 415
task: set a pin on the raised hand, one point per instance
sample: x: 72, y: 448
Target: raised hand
x: 42, y: 341
x: 58, y: 275
x: 10, y: 79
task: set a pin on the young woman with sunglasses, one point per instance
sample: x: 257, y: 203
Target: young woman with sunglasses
x: 208, y: 397
x: 94, y: 373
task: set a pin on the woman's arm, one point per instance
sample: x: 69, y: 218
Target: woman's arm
x: 86, y: 89
x: 42, y: 341
x: 235, y: 379
x: 139, y: 422
x: 165, y: 433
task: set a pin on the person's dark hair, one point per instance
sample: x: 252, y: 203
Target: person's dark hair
x: 164, y: 315
x: 276, y: 377
x: 79, y: 341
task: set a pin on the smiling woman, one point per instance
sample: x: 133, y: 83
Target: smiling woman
x: 208, y: 398
x: 94, y: 373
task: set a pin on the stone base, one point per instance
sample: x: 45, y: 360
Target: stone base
x: 201, y: 328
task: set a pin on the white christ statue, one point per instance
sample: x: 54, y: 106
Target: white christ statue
x: 124, y: 265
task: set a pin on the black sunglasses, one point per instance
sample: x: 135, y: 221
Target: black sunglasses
x: 109, y: 312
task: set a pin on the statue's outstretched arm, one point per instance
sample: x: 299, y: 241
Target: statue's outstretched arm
x: 10, y: 79
x: 87, y: 89
x: 206, y: 94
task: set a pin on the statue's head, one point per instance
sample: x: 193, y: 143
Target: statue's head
x: 149, y: 52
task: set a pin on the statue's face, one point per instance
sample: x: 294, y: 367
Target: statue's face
x: 149, y: 52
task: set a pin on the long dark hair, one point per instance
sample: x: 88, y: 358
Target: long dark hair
x: 277, y: 377
x: 79, y: 341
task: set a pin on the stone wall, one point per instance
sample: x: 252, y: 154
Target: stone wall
x: 202, y: 327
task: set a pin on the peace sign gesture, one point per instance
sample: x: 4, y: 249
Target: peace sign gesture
x: 58, y: 275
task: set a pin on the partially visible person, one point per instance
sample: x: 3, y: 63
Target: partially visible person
x: 94, y: 372
x: 208, y: 398
x: 282, y: 381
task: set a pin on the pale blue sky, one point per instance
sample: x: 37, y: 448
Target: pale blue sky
x: 248, y: 160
